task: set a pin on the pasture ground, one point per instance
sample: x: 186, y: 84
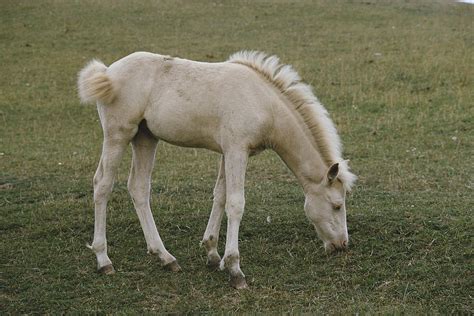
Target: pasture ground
x: 397, y: 78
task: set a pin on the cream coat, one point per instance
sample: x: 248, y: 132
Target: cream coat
x: 237, y: 108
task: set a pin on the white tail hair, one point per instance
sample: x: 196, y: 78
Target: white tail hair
x: 94, y: 85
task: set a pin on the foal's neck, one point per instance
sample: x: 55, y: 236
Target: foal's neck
x: 294, y: 144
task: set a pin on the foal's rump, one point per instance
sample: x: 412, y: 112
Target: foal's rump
x: 127, y: 81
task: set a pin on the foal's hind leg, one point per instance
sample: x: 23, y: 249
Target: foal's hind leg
x: 144, y: 148
x: 211, y: 236
x: 112, y: 151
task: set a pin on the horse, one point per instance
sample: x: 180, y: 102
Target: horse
x: 237, y: 108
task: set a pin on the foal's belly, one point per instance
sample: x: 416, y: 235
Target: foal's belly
x: 196, y: 142
x: 185, y: 131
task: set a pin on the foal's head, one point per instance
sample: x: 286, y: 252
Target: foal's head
x: 326, y: 209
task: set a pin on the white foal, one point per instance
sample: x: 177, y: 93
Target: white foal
x: 236, y: 108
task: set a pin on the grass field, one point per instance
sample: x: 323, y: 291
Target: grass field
x: 398, y: 80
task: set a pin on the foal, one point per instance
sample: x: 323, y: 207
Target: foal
x: 237, y: 108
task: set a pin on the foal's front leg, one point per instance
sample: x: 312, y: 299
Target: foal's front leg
x: 211, y: 235
x: 235, y: 165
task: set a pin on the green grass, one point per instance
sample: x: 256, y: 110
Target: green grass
x: 398, y: 80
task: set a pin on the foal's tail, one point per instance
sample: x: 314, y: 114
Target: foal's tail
x: 94, y: 85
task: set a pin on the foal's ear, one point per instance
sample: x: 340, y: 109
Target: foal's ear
x: 333, y: 172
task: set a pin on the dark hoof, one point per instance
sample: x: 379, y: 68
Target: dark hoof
x: 213, y: 263
x: 108, y: 269
x: 173, y: 266
x: 238, y: 282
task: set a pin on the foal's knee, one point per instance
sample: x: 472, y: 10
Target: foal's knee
x: 235, y: 206
x: 219, y: 197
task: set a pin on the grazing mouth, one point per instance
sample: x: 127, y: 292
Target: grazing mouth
x: 336, y: 247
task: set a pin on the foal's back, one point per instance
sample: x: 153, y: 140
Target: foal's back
x: 194, y: 104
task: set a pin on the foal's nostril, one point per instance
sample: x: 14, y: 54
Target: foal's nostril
x: 340, y: 246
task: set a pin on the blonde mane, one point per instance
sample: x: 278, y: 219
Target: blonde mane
x: 301, y: 96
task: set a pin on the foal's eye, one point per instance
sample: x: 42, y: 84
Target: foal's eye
x: 337, y: 207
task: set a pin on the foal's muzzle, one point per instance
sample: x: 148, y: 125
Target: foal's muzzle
x: 336, y: 246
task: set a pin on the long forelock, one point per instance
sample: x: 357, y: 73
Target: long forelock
x: 304, y: 102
